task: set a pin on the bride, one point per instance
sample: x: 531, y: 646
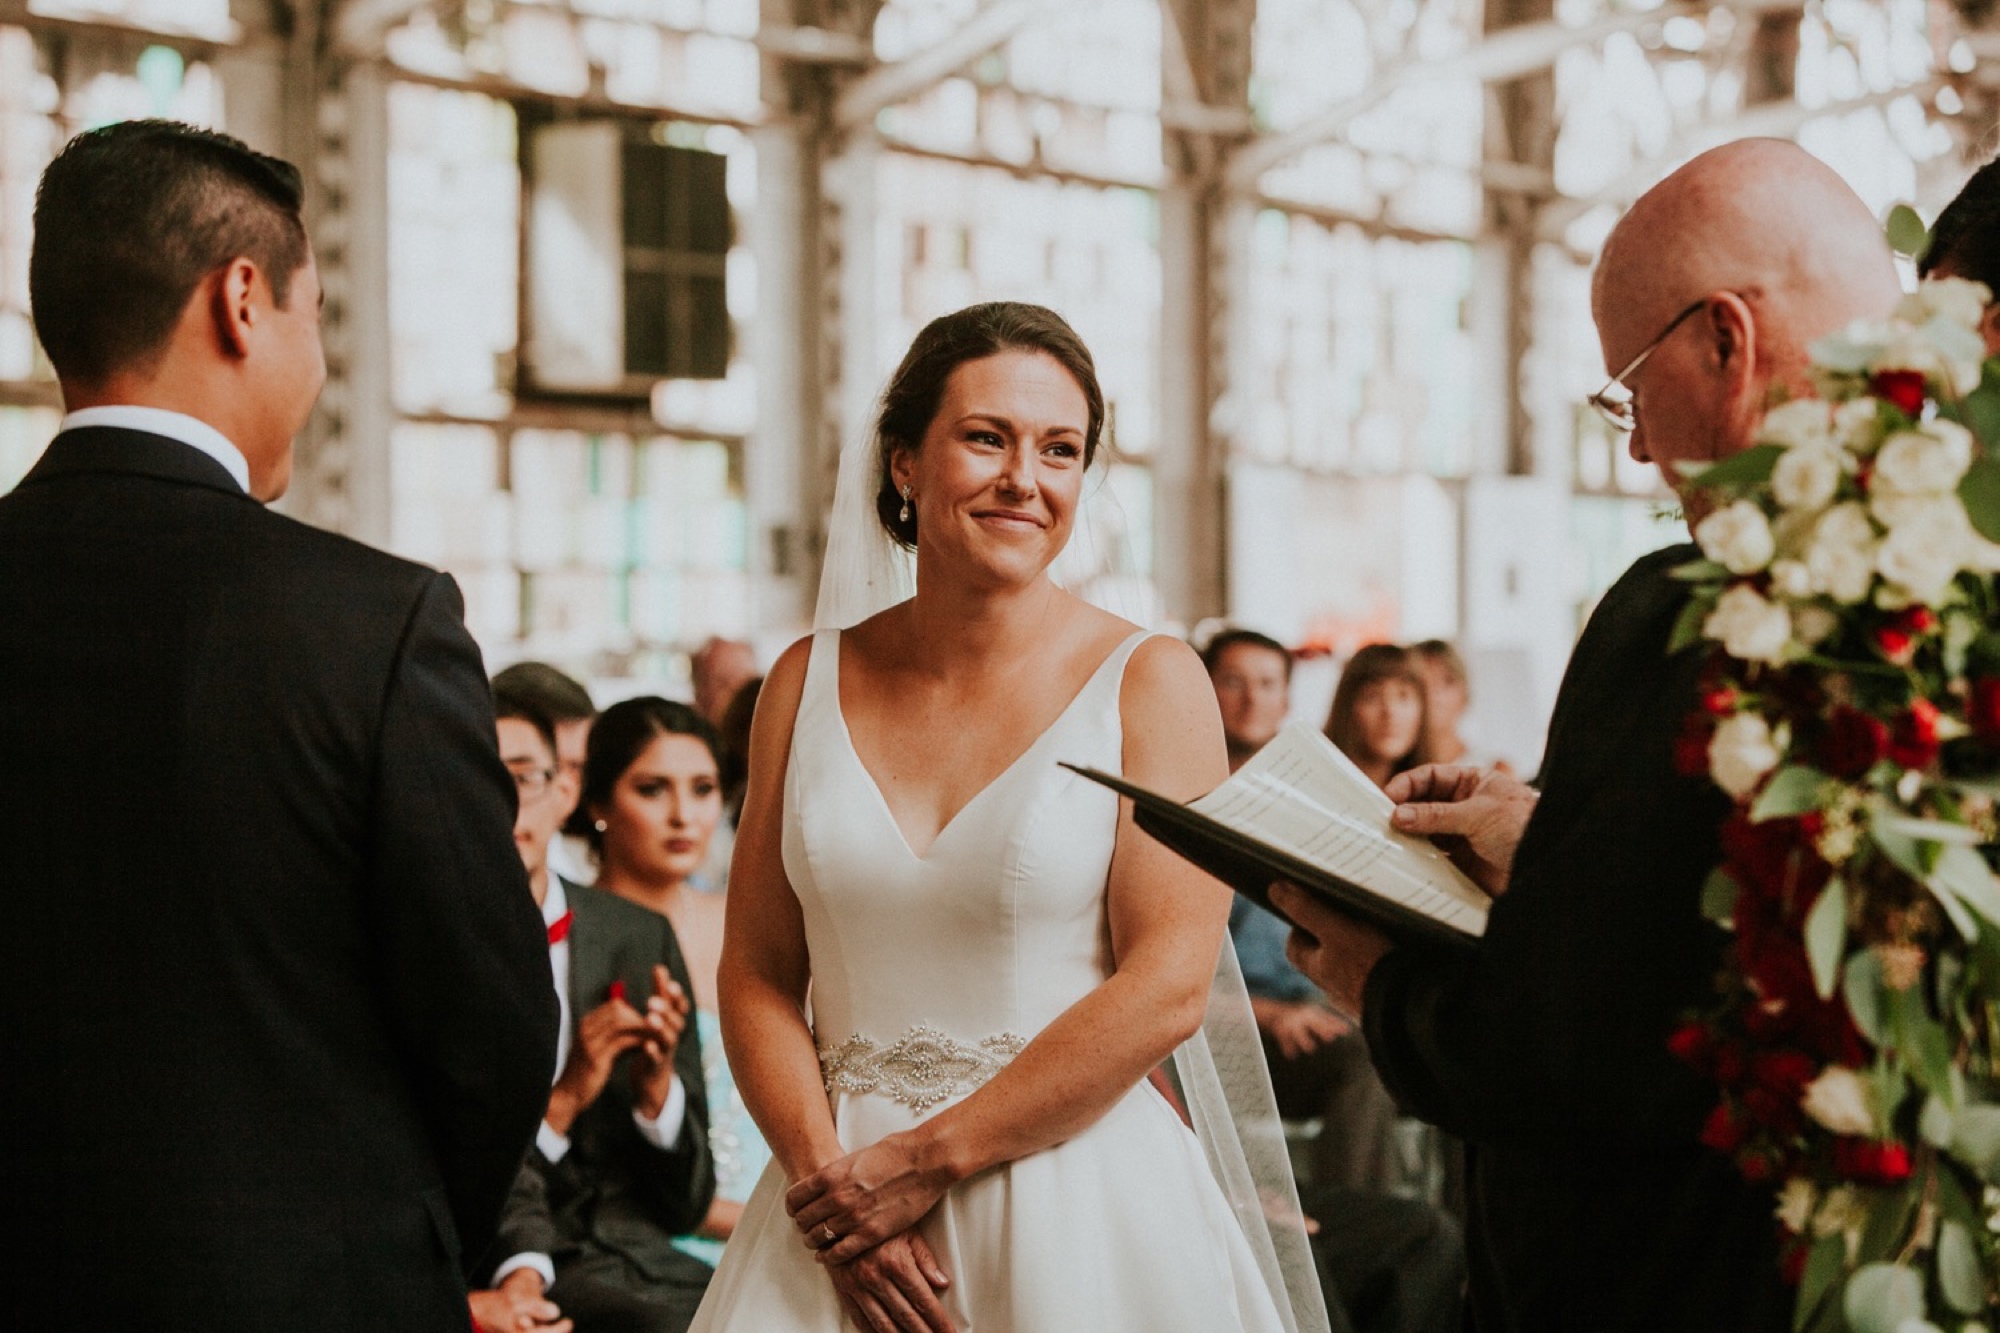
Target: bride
x: 949, y: 964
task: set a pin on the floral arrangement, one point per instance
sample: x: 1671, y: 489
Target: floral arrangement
x: 1850, y: 706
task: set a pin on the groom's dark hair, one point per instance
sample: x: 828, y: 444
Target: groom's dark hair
x: 1966, y: 236
x: 130, y: 218
x: 911, y: 401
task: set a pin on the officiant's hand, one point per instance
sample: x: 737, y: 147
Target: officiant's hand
x: 893, y: 1288
x: 1476, y: 815
x: 853, y: 1205
x: 1332, y: 948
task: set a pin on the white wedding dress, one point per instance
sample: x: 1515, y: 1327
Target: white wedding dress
x: 930, y: 972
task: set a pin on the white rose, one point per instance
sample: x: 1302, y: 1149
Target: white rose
x: 1813, y: 625
x: 1807, y: 476
x: 1791, y: 578
x: 1841, y: 1100
x: 1737, y: 538
x: 1841, y: 555
x: 1802, y: 423
x: 1922, y: 555
x: 1748, y: 626
x: 1857, y: 424
x: 1741, y: 752
x: 1957, y: 301
x: 1923, y: 462
x: 1795, y: 1204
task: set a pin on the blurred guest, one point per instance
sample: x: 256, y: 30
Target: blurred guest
x: 621, y: 1162
x: 1447, y: 692
x: 719, y: 669
x: 653, y: 795
x: 1389, y: 1265
x: 1319, y: 1067
x: 734, y: 734
x: 566, y: 703
x: 274, y: 997
x: 1252, y: 675
x: 1378, y: 717
x: 1965, y: 243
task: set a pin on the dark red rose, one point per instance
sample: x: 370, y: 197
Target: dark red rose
x: 1913, y: 742
x: 1723, y: 1131
x: 1691, y: 746
x: 1784, y: 1073
x: 1792, y: 1263
x: 1867, y: 1162
x: 1904, y: 388
x: 1720, y: 701
x: 1983, y: 709
x: 1693, y: 1045
x: 1774, y: 1111
x: 1897, y: 640
x: 1756, y: 1168
x: 1730, y: 1063
x: 1852, y: 744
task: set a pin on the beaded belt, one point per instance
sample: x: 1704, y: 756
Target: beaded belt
x: 921, y: 1069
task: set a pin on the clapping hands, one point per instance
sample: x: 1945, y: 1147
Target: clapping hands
x: 610, y: 1030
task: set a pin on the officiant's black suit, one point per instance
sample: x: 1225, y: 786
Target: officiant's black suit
x: 607, y: 1212
x: 1593, y: 1207
x: 276, y: 1006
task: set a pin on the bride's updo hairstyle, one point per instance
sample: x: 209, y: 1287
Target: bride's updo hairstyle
x: 911, y: 401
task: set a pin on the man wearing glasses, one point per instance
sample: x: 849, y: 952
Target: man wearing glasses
x: 1593, y: 1204
x: 621, y: 1161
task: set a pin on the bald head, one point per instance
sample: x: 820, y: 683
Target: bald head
x: 1785, y: 251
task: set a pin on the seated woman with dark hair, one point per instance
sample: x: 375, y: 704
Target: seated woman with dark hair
x: 652, y: 802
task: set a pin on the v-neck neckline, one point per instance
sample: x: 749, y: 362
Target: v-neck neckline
x: 944, y: 830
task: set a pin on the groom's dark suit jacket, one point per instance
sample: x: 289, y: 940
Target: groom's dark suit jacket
x: 275, y: 1016
x: 1593, y: 1207
x: 613, y: 1193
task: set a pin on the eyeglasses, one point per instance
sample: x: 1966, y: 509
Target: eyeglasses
x: 532, y: 783
x: 1614, y: 401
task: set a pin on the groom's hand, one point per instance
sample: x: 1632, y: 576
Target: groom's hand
x: 893, y: 1288
x: 1476, y: 815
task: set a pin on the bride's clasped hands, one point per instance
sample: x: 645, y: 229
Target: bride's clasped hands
x: 850, y: 1206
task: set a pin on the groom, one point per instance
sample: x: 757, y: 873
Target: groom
x: 1593, y: 1206
x: 274, y: 1000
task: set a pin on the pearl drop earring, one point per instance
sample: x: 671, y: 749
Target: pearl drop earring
x: 599, y: 825
x: 904, y: 516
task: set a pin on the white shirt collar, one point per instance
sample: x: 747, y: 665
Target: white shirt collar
x: 556, y: 902
x: 175, y: 426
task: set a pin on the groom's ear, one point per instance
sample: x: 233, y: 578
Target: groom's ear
x: 233, y: 296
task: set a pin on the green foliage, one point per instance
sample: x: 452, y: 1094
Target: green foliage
x: 1881, y: 1296
x: 1959, y: 1275
x: 1980, y: 490
x: 1687, y: 625
x: 1792, y: 790
x: 1752, y: 467
x: 1826, y: 1261
x: 1718, y: 897
x: 1865, y: 996
x: 1906, y: 232
x: 1975, y: 1139
x: 1826, y: 936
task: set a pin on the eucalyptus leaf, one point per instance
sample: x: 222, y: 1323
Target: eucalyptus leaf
x: 1966, y: 871
x: 1881, y: 1296
x: 1922, y: 1042
x: 1687, y: 625
x: 1863, y: 988
x: 1904, y: 851
x: 1825, y: 1262
x: 1936, y: 1122
x: 1927, y: 830
x: 1906, y: 231
x: 1826, y: 936
x: 1792, y: 790
x: 1752, y: 467
x: 1959, y: 1274
x: 1975, y: 1139
x: 1699, y: 571
x: 1980, y: 487
x: 1979, y: 412
x: 1947, y: 898
x: 1718, y: 897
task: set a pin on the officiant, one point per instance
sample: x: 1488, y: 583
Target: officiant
x: 1592, y: 1204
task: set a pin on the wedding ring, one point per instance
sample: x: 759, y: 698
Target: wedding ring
x: 826, y: 1230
